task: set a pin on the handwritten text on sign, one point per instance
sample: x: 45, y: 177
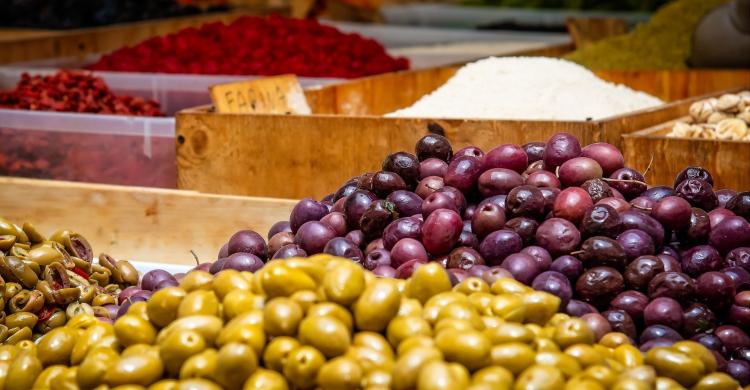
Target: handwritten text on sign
x: 268, y: 95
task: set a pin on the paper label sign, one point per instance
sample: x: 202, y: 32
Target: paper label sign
x: 268, y: 95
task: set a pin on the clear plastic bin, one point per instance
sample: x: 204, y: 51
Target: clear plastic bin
x: 109, y: 149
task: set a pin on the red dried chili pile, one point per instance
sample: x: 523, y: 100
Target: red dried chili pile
x: 257, y: 46
x: 74, y: 92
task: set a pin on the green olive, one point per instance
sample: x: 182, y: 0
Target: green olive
x: 6, y: 242
x: 312, y: 267
x: 631, y: 384
x: 45, y: 255
x: 406, y: 368
x: 469, y: 348
x: 302, y: 366
x: 540, y: 306
x: 409, y: 307
x: 413, y: 342
x: 234, y: 364
x: 140, y: 366
x: 614, y: 339
x: 373, y: 340
x: 428, y: 281
x: 263, y: 379
x: 11, y: 289
x: 201, y: 365
x: 472, y: 285
x: 92, y: 336
x: 628, y: 355
x: 198, y: 384
x: 482, y: 303
x: 9, y: 228
x: 601, y: 374
x: 641, y: 373
x: 434, y: 305
x: 178, y: 347
x: 67, y: 296
x: 461, y: 311
x: 514, y: 356
x: 509, y: 307
x: 509, y: 332
x: 664, y: 383
x: 453, y: 323
x: 283, y: 281
x: 8, y: 352
x: 377, y: 305
x: 496, y: 376
x: 21, y: 319
x: 344, y: 284
x: 165, y: 384
x: 32, y: 233
x: 539, y: 377
x: 17, y: 335
x: 87, y: 294
x: 66, y: 380
x: 197, y: 280
x: 4, y: 367
x: 544, y: 344
x: 277, y: 351
x: 327, y: 334
x: 282, y: 317
x: 131, y: 330
x: 163, y: 305
x: 509, y: 286
x: 573, y: 331
x: 696, y: 350
x: 56, y: 320
x: 332, y: 310
x: 56, y: 346
x: 341, y: 373
x: 128, y: 273
x: 23, y: 371
x: 4, y: 332
x: 675, y: 364
x: 403, y: 327
x: 585, y: 355
x: 565, y: 363
x: 237, y: 302
x: 14, y: 267
x: 208, y: 326
x: 199, y: 302
x: 438, y: 375
x: 239, y: 332
x: 49, y: 375
x: 716, y: 381
x: 103, y: 299
x: 370, y: 359
x: 580, y: 382
x: 377, y: 379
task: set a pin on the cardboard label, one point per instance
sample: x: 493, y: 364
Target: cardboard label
x: 268, y: 95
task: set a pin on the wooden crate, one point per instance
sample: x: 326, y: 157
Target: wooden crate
x: 78, y: 43
x: 728, y: 161
x: 139, y: 223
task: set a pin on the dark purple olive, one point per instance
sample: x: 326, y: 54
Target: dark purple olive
x: 468, y: 239
x: 356, y: 205
x: 436, y: 201
x: 629, y: 182
x: 740, y: 276
x: 599, y: 285
x: 224, y: 251
x: 376, y: 218
x: 205, y: 267
x: 464, y: 258
x: 494, y: 273
x: 740, y: 205
x: 357, y: 237
x: 306, y: 210
x: 572, y: 204
x: 525, y: 201
x: 636, y: 243
x: 715, y: 289
x: 657, y: 193
x: 401, y: 228
x: 597, y: 323
x: 616, y: 203
x: 506, y: 156
x: 383, y: 183
x: 739, y: 312
x: 621, y: 322
x: 407, y: 203
x: 463, y: 173
x: 384, y: 271
x: 525, y: 227
x: 607, y: 155
x: 632, y: 302
x: 337, y: 221
x: 441, y: 231
x: 279, y: 240
x: 432, y: 167
x: 523, y: 267
x: 128, y: 292
x: 543, y: 179
x: 243, y: 262
x: 597, y: 189
x: 377, y: 258
x: 693, y: 173
x: 724, y: 195
x: 469, y: 151
x: 732, y: 232
x: 407, y: 249
x: 429, y: 185
x: 698, y: 318
x: 373, y: 245
x: 644, y: 204
x: 578, y: 308
x: 639, y: 273
x: 675, y: 285
x: 739, y: 370
x: 312, y: 236
x: 550, y: 195
x: 478, y: 270
x: 578, y: 170
x: 342, y: 247
x: 673, y: 212
x: 153, y: 277
x: 710, y: 341
x: 699, y: 193
x: 700, y: 259
x: 560, y: 147
x: 742, y: 354
x: 738, y: 257
x: 469, y: 212
x: 404, y: 271
x: 554, y: 283
x: 664, y: 311
x: 633, y: 219
x: 498, y: 181
x: 534, y: 151
x: 732, y: 337
x: 346, y: 189
x: 434, y: 146
x: 670, y: 263
x: 601, y: 220
x: 558, y: 236
x: 281, y: 226
x: 248, y: 241
x: 218, y: 265
x: 600, y: 250
x: 699, y: 228
x: 498, y: 245
x: 536, y: 166
x: 664, y: 343
x: 289, y: 251
x: 659, y: 331
x: 569, y: 266
x: 404, y: 164
x: 540, y: 254
x: 364, y: 181
x: 458, y: 197
x: 456, y: 275
x: 487, y: 219
x: 338, y: 206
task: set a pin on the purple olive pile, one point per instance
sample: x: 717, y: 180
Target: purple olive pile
x: 46, y: 281
x: 659, y: 264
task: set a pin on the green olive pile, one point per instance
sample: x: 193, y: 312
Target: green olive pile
x: 326, y: 323
x: 44, y: 282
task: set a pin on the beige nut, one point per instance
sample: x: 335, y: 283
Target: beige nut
x: 701, y: 110
x: 728, y: 102
x: 731, y: 129
x: 716, y: 117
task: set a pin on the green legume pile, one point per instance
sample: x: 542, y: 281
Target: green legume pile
x: 664, y: 42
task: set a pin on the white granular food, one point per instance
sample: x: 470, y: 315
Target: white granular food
x: 527, y: 88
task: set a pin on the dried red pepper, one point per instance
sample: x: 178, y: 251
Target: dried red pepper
x: 257, y: 46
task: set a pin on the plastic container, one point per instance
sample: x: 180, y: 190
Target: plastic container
x: 110, y: 149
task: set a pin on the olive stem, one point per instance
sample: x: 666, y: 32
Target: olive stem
x: 197, y: 262
x: 635, y: 206
x: 648, y: 168
x: 624, y: 181
x: 576, y: 253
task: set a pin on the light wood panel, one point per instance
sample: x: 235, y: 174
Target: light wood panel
x: 673, y: 85
x: 139, y: 223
